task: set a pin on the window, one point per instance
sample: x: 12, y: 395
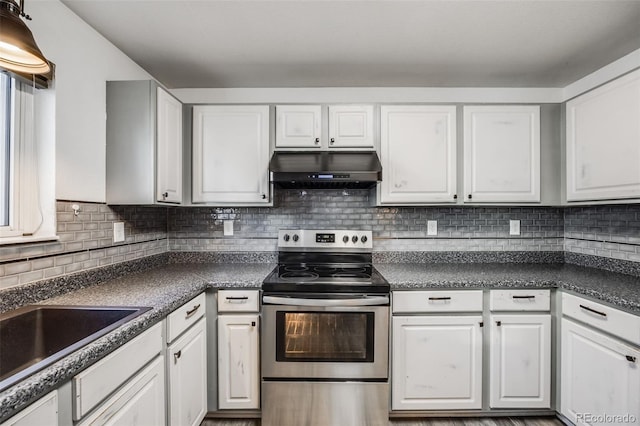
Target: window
x: 27, y: 213
x: 5, y: 150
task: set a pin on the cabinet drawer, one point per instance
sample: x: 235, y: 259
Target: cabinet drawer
x: 238, y: 301
x: 185, y: 316
x: 96, y: 382
x: 519, y: 300
x: 140, y: 401
x: 611, y: 320
x: 437, y: 301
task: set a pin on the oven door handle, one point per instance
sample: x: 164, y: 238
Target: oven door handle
x: 361, y: 301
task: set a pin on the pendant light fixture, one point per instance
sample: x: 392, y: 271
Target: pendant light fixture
x: 18, y: 49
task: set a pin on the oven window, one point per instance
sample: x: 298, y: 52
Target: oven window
x: 324, y: 336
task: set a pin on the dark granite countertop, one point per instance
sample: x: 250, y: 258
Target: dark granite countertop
x: 167, y: 287
x: 619, y: 290
x: 164, y: 289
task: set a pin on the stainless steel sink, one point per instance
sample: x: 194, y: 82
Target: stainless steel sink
x: 36, y: 336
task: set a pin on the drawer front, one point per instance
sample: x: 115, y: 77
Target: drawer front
x: 611, y: 320
x: 519, y: 300
x: 238, y: 301
x: 185, y: 316
x: 96, y: 382
x: 437, y: 301
x: 140, y: 402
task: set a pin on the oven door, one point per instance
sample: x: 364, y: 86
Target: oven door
x: 338, y: 337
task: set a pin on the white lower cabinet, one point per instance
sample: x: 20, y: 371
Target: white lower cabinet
x: 238, y: 365
x: 520, y: 361
x: 600, y: 377
x: 437, y: 362
x: 42, y: 412
x: 140, y: 402
x: 187, y: 386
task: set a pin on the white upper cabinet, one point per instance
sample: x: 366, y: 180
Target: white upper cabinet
x: 351, y: 126
x: 501, y: 153
x: 603, y: 142
x: 418, y: 154
x: 231, y: 154
x: 144, y: 144
x: 169, y: 148
x: 298, y: 126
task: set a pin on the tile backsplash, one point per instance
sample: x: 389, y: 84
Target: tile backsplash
x: 609, y: 233
x: 86, y: 242
x: 394, y: 228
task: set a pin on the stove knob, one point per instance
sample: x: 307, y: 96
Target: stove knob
x: 363, y: 239
x: 354, y: 239
x: 295, y: 237
x: 286, y: 237
x: 345, y: 239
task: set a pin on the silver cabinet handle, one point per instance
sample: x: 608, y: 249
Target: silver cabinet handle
x: 332, y: 141
x: 237, y: 298
x: 440, y: 298
x: 630, y: 358
x: 317, y: 141
x: 291, y: 301
x: 264, y: 196
x: 524, y: 297
x: 165, y: 195
x: 586, y: 308
x: 176, y: 356
x: 192, y: 311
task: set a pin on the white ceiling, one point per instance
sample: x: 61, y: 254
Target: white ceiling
x: 328, y: 43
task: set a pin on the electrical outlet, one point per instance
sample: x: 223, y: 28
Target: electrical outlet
x: 228, y: 227
x: 432, y: 227
x: 514, y: 227
x: 118, y: 232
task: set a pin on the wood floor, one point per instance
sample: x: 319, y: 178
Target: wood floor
x: 501, y: 421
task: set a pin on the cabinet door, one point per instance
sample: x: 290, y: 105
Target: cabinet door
x: 603, y: 142
x: 502, y: 154
x: 437, y: 363
x: 231, y: 154
x: 42, y: 412
x: 238, y: 353
x: 351, y: 126
x: 418, y: 154
x: 169, y: 148
x: 600, y: 377
x: 140, y: 402
x: 187, y: 359
x: 298, y: 126
x: 520, y: 361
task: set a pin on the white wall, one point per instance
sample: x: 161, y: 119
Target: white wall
x: 84, y: 62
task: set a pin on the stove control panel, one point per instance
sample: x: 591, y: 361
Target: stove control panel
x: 324, y: 239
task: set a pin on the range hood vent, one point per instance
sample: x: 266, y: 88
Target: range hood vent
x: 325, y: 169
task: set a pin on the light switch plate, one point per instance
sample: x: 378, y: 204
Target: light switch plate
x: 228, y: 227
x: 118, y: 232
x: 514, y: 227
x: 432, y: 227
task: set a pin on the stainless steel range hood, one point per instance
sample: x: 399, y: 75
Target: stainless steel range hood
x: 325, y: 169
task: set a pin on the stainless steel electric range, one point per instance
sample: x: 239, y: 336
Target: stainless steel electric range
x: 325, y: 334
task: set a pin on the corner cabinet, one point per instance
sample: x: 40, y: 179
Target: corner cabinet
x: 231, y: 154
x: 187, y: 364
x: 603, y: 142
x: 501, y: 153
x: 143, y: 145
x: 418, y: 154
